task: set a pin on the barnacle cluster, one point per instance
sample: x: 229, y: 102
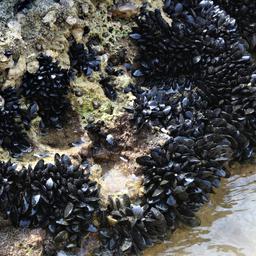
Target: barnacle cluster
x: 48, y: 88
x: 196, y: 84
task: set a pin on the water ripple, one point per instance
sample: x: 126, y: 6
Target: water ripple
x: 228, y: 222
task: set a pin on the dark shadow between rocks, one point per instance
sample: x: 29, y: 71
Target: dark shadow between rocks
x: 66, y: 136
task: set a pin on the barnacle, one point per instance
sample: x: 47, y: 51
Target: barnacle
x: 22, y: 4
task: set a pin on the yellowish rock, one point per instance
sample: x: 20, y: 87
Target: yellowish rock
x: 50, y: 18
x: 19, y: 69
x: 78, y: 34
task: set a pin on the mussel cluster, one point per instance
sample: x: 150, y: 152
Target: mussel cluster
x: 83, y: 60
x: 125, y: 227
x: 45, y: 94
x: 13, y: 122
x: 48, y: 88
x: 108, y: 88
x: 196, y: 84
x: 58, y: 197
x: 203, y: 49
x: 101, y: 139
x: 244, y: 12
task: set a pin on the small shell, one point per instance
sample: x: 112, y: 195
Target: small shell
x: 125, y: 11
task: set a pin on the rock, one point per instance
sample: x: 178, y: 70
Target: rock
x: 125, y: 10
x: 67, y: 3
x: 50, y: 18
x: 96, y: 171
x: 18, y: 70
x: 5, y: 62
x: 15, y: 28
x: 85, y: 8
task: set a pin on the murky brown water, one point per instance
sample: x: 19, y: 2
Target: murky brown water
x: 228, y: 222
